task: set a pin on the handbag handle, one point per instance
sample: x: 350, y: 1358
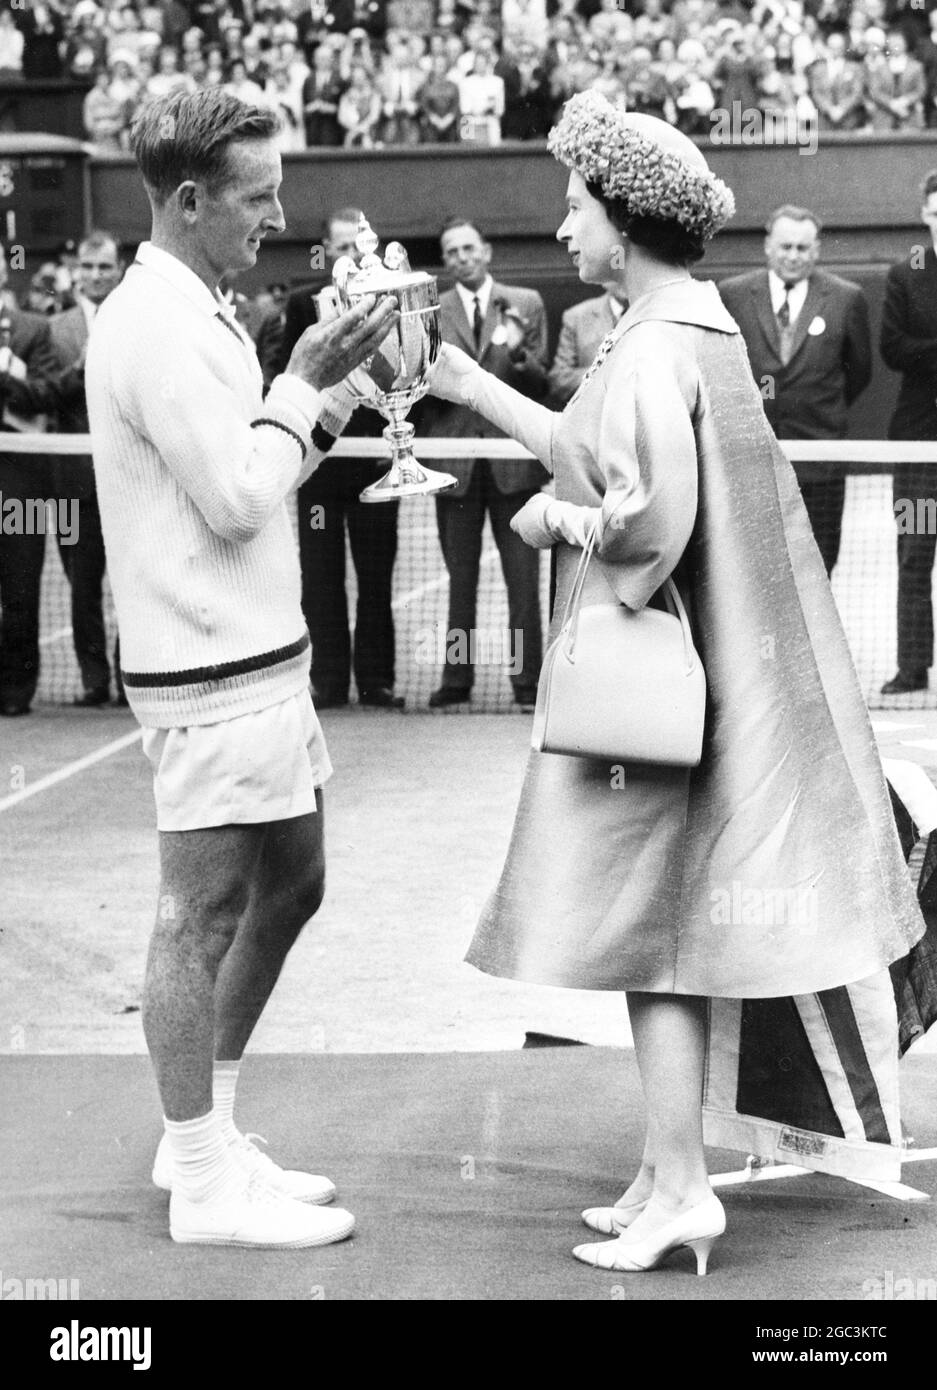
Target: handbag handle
x: 571, y: 616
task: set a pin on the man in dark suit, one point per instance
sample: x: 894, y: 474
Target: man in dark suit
x: 836, y: 85
x: 909, y: 345
x: 99, y: 272
x: 505, y: 329
x: 320, y: 18
x: 26, y: 363
x: 582, y: 329
x: 328, y: 503
x: 809, y: 344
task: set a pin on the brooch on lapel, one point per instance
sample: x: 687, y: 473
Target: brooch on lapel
x: 816, y: 326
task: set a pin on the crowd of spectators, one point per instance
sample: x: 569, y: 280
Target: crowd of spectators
x: 368, y: 73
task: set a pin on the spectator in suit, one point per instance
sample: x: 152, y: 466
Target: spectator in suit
x: 809, y: 344
x: 322, y: 92
x: 439, y: 104
x: 895, y: 87
x: 909, y: 345
x: 359, y: 109
x: 26, y: 363
x: 99, y: 272
x: 504, y: 328
x: 581, y: 332
x: 737, y: 76
x: 836, y: 87
x: 399, y: 84
x: 43, y: 35
x: 328, y: 505
x: 926, y: 53
x: 528, y: 108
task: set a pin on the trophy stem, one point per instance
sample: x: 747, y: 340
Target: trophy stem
x: 406, y: 477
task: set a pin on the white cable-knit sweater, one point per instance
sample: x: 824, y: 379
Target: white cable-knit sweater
x: 192, y: 468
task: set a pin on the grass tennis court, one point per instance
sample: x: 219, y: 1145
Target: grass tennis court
x: 418, y: 820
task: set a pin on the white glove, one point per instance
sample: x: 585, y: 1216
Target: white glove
x: 530, y: 522
x: 450, y: 377
x: 543, y: 520
x: 457, y: 377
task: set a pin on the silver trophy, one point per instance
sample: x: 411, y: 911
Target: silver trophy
x: 393, y: 378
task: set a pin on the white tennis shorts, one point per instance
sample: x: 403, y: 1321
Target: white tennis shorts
x: 258, y: 767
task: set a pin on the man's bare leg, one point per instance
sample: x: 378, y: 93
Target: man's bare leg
x: 206, y: 881
x: 286, y: 890
x: 221, y: 887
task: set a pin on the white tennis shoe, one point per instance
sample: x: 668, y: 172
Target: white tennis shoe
x: 256, y: 1216
x: 284, y: 1182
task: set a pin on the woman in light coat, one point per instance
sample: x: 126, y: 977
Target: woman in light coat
x: 618, y: 876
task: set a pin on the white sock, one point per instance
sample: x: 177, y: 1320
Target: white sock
x: 203, y: 1169
x: 223, y: 1086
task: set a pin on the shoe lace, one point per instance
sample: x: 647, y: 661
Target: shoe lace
x: 258, y: 1164
x: 259, y: 1193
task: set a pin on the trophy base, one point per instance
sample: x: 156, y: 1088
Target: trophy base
x: 408, y: 480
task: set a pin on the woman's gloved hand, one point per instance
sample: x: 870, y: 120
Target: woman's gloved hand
x: 543, y: 520
x: 451, y: 377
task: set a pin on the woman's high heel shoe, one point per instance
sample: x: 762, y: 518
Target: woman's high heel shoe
x: 698, y: 1228
x: 609, y: 1221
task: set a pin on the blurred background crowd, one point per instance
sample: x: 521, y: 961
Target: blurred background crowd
x: 373, y: 73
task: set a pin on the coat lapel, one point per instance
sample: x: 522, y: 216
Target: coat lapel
x: 761, y: 294
x: 451, y: 305
x: 492, y: 319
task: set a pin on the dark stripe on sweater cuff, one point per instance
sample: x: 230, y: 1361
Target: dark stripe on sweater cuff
x: 198, y: 675
x: 279, y: 425
x: 321, y: 439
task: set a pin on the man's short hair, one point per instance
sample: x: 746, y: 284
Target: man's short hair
x: 97, y: 240
x: 348, y: 214
x: 186, y: 135
x: 452, y: 222
x: 796, y: 214
x: 929, y: 185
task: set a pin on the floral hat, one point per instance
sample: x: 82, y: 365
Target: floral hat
x: 652, y: 167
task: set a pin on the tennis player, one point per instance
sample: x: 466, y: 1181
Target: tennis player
x: 193, y: 467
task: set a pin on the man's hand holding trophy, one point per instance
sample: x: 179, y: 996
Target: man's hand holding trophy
x: 394, y: 376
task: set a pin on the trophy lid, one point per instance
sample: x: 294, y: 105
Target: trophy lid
x: 371, y: 275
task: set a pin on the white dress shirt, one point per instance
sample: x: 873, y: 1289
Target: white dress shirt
x: 468, y: 297
x: 797, y: 296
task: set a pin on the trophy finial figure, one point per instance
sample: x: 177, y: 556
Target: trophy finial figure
x: 396, y: 258
x: 366, y: 241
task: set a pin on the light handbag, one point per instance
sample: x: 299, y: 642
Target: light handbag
x: 620, y: 684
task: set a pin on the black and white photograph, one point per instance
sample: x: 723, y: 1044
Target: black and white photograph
x: 468, y: 757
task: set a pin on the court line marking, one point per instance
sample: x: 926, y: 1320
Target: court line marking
x: 52, y: 779
x: 59, y: 635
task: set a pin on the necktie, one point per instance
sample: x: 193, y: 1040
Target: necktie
x: 784, y: 323
x: 477, y: 323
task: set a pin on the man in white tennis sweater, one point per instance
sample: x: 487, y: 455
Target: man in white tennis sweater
x: 193, y: 467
